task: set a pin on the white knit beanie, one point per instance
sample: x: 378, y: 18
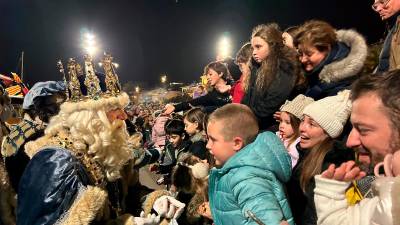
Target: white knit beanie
x: 331, y: 113
x: 297, y: 105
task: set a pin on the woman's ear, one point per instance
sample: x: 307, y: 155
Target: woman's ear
x: 221, y: 74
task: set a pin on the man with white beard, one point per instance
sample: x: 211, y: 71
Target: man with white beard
x: 71, y: 177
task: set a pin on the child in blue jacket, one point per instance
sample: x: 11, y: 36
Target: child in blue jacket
x: 247, y: 187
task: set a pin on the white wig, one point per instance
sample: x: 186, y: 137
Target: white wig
x: 91, y: 131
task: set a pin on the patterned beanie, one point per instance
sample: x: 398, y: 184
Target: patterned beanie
x: 297, y: 105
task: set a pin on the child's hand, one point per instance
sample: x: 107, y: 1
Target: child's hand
x: 204, y: 210
x: 168, y: 109
x: 277, y: 116
x: 346, y: 172
x: 153, y: 167
x: 284, y: 222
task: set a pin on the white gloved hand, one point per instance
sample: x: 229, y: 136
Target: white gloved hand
x: 151, y: 219
x: 168, y: 207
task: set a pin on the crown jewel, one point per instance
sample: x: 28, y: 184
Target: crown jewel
x: 75, y: 79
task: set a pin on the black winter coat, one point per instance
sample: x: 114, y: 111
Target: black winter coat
x: 265, y: 103
x: 211, y: 101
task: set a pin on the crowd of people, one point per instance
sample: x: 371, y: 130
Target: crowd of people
x: 297, y: 129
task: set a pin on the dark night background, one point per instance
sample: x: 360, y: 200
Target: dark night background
x: 150, y: 37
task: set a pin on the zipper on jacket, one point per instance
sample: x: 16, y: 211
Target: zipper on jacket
x: 251, y: 215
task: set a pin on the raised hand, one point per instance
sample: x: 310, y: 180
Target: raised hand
x: 346, y: 172
x: 168, y: 109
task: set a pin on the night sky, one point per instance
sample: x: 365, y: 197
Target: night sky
x: 151, y: 37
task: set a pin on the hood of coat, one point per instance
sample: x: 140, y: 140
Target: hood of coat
x: 352, y: 64
x: 267, y: 153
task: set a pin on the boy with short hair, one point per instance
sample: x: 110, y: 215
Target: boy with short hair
x: 247, y: 187
x: 176, y: 145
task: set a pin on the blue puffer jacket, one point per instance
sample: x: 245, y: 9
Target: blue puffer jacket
x: 249, y: 186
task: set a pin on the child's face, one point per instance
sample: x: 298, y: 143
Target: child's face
x: 175, y: 139
x: 221, y: 150
x: 260, y: 49
x: 285, y: 127
x: 190, y: 128
x: 213, y: 77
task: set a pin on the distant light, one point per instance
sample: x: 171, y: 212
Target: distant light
x: 100, y: 64
x: 89, y: 36
x: 163, y: 79
x: 223, y: 48
x: 89, y: 43
x: 137, y: 89
x: 91, y: 50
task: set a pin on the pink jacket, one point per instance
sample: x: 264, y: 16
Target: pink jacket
x: 292, y: 150
x: 158, y: 132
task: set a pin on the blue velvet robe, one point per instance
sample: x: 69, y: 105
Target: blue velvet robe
x: 49, y: 186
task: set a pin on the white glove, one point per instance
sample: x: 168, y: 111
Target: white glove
x: 151, y: 219
x: 168, y: 207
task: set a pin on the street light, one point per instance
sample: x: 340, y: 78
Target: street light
x: 223, y: 48
x: 137, y: 89
x: 163, y: 79
x: 89, y: 43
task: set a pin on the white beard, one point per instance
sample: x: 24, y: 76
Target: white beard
x: 113, y: 153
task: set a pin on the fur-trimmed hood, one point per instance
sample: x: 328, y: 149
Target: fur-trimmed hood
x: 352, y: 64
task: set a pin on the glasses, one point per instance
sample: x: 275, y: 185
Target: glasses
x: 383, y: 3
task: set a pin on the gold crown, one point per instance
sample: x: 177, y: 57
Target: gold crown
x: 91, y: 81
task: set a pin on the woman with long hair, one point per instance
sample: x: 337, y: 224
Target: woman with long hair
x: 273, y: 74
x: 322, y: 123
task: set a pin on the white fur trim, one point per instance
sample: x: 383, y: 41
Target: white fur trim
x: 353, y: 63
x: 88, y: 203
x: 105, y: 103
